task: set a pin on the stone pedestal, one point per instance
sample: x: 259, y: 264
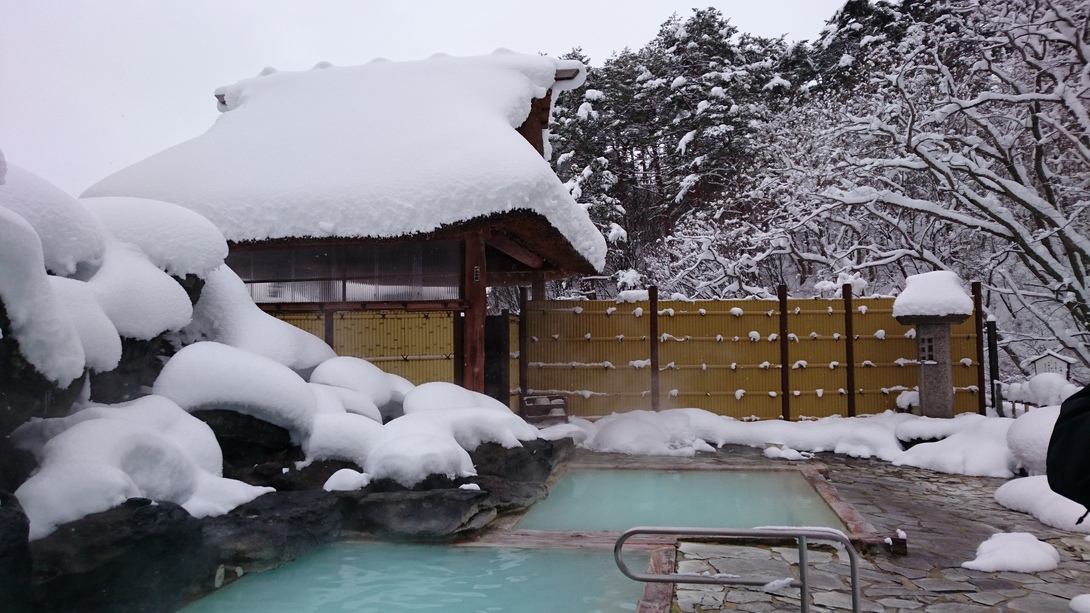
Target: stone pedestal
x: 935, y: 375
x: 934, y: 362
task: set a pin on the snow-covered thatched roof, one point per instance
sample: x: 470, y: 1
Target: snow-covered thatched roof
x: 380, y: 150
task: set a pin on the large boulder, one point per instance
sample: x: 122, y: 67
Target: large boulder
x: 510, y: 496
x: 15, y: 564
x: 268, y: 532
x: 288, y: 477
x: 25, y: 392
x: 437, y: 515
x: 534, y: 461
x: 141, y: 363
x: 17, y: 465
x: 139, y: 556
x: 248, y: 441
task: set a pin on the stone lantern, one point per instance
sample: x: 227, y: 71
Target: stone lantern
x: 932, y: 302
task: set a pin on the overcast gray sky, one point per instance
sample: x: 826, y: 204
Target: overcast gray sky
x: 89, y: 87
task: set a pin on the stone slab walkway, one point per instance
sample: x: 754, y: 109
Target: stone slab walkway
x: 945, y: 518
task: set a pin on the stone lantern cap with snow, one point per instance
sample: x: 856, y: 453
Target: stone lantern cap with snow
x: 933, y: 298
x: 933, y: 301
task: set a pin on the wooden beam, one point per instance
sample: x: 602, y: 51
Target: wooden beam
x: 319, y: 307
x: 507, y: 245
x: 566, y: 74
x: 474, y: 282
x: 537, y: 121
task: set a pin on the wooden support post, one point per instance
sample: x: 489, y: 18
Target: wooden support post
x: 524, y: 346
x: 849, y: 347
x: 327, y: 316
x: 785, y: 366
x: 459, y: 346
x: 474, y: 282
x: 537, y: 284
x: 653, y: 298
x: 993, y: 367
x: 978, y: 327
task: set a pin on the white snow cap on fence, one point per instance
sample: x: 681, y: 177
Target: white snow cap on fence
x: 378, y: 150
x: 933, y: 294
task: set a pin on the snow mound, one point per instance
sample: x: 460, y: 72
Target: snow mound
x: 71, y: 237
x: 409, y: 459
x: 211, y: 375
x: 1045, y: 389
x: 47, y: 339
x: 342, y: 436
x: 346, y: 480
x: 1080, y: 603
x: 979, y: 450
x: 645, y: 433
x: 399, y: 387
x: 1033, y: 495
x: 296, y: 153
x: 469, y: 427
x: 355, y: 374
x: 141, y: 300
x: 226, y: 314
x: 177, y: 240
x: 933, y: 294
x: 99, y: 463
x: 1019, y: 552
x: 439, y: 395
x: 98, y: 335
x: 333, y: 399
x: 190, y: 434
x: 559, y: 431
x: 1029, y: 435
x: 929, y: 428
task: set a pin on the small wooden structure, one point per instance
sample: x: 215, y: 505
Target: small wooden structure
x: 391, y: 186
x: 1050, y: 361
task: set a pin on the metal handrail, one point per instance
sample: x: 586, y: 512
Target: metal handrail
x: 799, y: 534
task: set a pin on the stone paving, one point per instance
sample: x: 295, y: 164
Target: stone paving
x: 945, y: 518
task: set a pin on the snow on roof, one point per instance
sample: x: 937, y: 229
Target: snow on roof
x: 1049, y: 353
x: 379, y: 150
x: 933, y: 294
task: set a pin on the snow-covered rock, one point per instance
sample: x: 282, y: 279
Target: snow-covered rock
x: 212, y: 375
x: 1029, y: 435
x: 177, y: 240
x: 226, y: 314
x: 72, y: 239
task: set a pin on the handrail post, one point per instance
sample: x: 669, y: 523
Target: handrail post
x: 803, y: 576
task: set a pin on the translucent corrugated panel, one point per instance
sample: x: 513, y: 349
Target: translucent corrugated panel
x: 396, y: 272
x: 296, y: 291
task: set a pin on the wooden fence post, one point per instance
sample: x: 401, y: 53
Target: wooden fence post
x: 785, y: 367
x: 978, y: 325
x: 849, y: 347
x: 524, y: 338
x: 653, y: 298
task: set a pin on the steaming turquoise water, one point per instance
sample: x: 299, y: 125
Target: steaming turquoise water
x: 595, y: 500
x: 384, y: 578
